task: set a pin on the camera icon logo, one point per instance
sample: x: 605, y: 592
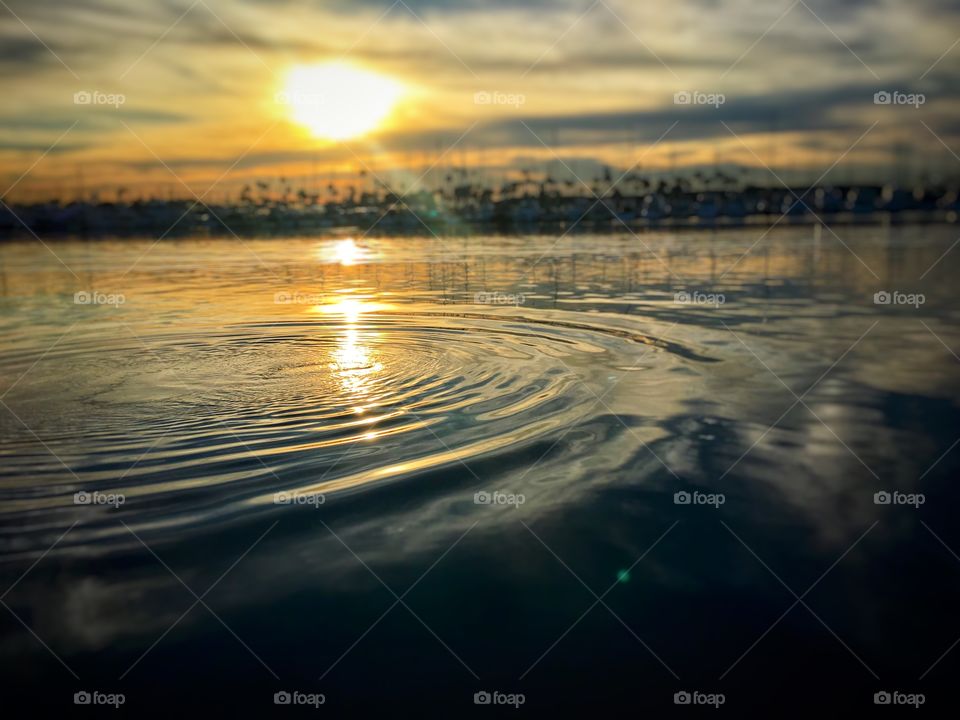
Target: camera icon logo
x: 81, y: 498
x: 82, y: 298
x: 82, y: 698
x: 82, y: 98
x: 682, y: 698
x: 681, y: 498
x: 482, y: 498
x: 882, y: 98
x: 482, y: 98
x: 882, y: 698
x: 882, y: 498
x: 881, y: 298
x: 282, y: 698
x: 482, y: 698
x: 682, y: 98
x: 281, y: 498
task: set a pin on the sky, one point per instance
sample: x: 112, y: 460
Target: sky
x: 193, y: 96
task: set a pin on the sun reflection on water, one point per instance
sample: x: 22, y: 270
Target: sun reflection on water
x: 346, y: 252
x: 355, y: 361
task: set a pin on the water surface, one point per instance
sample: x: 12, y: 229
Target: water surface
x: 303, y: 427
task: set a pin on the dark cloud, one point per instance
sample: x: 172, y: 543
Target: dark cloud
x: 33, y: 147
x: 418, y: 6
x: 22, y: 51
x: 839, y: 109
x: 88, y: 118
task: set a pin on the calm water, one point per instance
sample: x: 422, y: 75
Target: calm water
x: 280, y: 446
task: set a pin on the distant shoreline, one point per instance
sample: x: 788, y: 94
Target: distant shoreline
x: 460, y: 228
x: 479, y: 212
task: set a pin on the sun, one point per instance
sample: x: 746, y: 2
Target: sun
x: 337, y: 101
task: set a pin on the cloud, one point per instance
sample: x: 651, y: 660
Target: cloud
x: 22, y: 51
x: 91, y: 118
x: 35, y: 147
x: 599, y: 83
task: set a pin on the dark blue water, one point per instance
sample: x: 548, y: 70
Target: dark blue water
x: 397, y: 473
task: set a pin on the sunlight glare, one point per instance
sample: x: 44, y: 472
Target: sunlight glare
x: 337, y: 101
x: 347, y: 252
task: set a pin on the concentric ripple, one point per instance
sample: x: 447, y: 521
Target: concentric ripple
x: 191, y: 427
